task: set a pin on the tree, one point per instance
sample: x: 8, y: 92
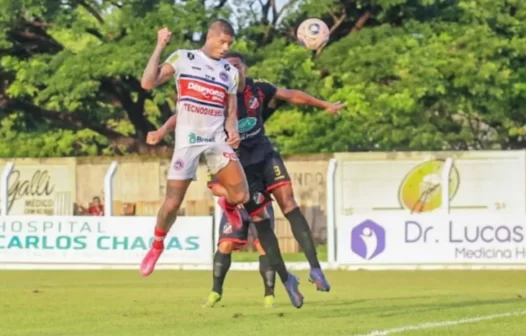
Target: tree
x: 416, y: 74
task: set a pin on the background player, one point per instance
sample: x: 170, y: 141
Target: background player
x: 231, y: 240
x: 206, y: 87
x: 259, y: 157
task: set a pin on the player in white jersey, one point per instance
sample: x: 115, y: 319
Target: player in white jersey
x: 206, y: 124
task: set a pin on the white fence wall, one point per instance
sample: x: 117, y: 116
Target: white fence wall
x: 384, y: 211
x: 430, y: 210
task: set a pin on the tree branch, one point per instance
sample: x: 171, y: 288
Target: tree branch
x: 74, y: 121
x: 92, y: 11
x: 361, y: 22
x: 337, y: 23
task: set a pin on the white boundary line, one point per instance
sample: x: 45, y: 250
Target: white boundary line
x: 433, y: 325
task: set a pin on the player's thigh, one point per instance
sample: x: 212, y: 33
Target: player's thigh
x: 259, y: 197
x: 275, y: 172
x: 237, y: 238
x: 223, y: 163
x: 278, y: 183
x: 181, y: 172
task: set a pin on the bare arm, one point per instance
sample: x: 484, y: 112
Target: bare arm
x: 297, y: 97
x: 231, y: 121
x: 155, y: 75
x: 169, y: 125
x: 231, y: 111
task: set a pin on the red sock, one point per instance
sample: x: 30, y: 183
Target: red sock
x: 158, y: 239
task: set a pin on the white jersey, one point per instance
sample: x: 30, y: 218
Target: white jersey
x: 203, y: 85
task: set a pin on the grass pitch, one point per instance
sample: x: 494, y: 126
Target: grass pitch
x: 121, y: 303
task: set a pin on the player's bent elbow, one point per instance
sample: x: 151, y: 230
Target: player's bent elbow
x: 147, y: 85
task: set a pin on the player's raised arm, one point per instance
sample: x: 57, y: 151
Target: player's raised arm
x: 155, y: 75
x: 297, y: 97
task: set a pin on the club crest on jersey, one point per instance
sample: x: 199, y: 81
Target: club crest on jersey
x: 223, y: 76
x: 190, y: 56
x: 253, y: 103
x: 227, y: 229
x: 178, y: 164
x: 258, y: 198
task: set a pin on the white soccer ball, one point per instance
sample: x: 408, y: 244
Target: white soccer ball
x: 313, y: 34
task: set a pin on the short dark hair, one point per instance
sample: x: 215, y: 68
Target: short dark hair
x: 236, y: 54
x: 222, y: 26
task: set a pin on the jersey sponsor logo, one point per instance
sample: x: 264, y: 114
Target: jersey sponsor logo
x: 209, y: 111
x: 250, y: 135
x: 223, y: 76
x: 227, y: 67
x: 191, y: 56
x: 194, y: 139
x: 246, y: 124
x: 207, y: 91
x: 204, y: 91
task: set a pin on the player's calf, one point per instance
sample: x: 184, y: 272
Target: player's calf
x: 269, y: 242
x: 300, y: 229
x: 175, y: 191
x: 269, y: 281
x: 221, y: 266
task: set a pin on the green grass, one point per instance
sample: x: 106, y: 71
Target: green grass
x: 120, y: 303
x: 251, y: 255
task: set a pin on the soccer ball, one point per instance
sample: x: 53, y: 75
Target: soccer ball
x: 313, y: 34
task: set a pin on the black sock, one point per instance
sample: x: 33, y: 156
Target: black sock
x: 269, y: 242
x: 221, y: 266
x: 267, y: 274
x: 301, y: 231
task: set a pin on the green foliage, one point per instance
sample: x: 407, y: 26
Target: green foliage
x: 415, y: 74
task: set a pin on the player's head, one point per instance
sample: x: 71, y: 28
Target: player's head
x: 219, y: 38
x: 239, y: 61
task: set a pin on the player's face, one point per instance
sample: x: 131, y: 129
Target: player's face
x: 239, y: 65
x: 220, y: 44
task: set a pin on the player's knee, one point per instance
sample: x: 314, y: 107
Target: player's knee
x: 239, y: 197
x: 226, y: 247
x: 286, y: 200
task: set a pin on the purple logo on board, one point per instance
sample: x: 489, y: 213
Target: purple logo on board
x: 368, y: 240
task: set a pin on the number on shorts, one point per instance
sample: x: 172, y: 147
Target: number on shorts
x: 277, y: 170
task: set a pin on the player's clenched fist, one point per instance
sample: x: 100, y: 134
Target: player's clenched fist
x: 154, y: 137
x: 163, y: 37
